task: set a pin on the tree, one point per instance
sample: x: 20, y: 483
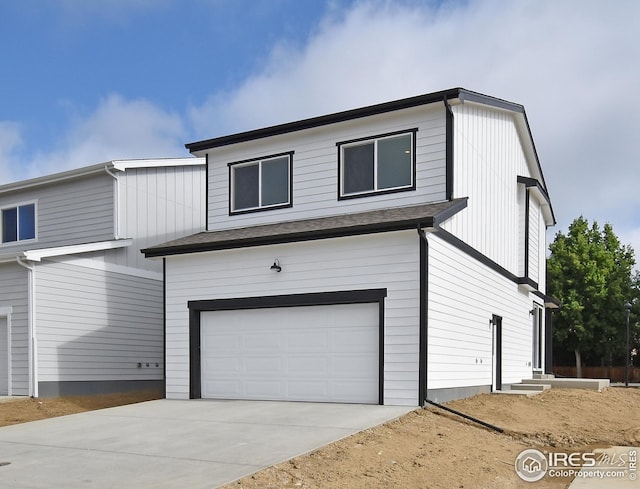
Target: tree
x: 590, y: 272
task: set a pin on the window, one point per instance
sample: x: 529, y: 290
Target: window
x: 382, y: 164
x: 264, y: 183
x: 19, y: 223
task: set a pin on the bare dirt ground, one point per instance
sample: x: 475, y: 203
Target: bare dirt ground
x: 428, y: 448
x: 22, y: 410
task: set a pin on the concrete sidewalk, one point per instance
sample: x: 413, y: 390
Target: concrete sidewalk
x: 173, y: 444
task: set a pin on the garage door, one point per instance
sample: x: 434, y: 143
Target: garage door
x: 323, y: 353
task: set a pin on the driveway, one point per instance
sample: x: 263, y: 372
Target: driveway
x: 172, y: 443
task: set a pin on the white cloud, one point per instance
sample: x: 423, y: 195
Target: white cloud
x: 117, y: 129
x: 572, y: 64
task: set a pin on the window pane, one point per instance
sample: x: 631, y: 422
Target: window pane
x: 394, y: 162
x: 245, y: 187
x: 9, y: 225
x: 27, y: 220
x: 275, y: 181
x: 357, y: 168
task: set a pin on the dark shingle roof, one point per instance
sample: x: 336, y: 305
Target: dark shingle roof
x: 384, y: 220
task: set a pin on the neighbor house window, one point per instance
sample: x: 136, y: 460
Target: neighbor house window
x: 19, y: 223
x: 260, y: 184
x: 381, y: 164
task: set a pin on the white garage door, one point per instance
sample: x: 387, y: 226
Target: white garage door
x: 313, y: 353
x: 4, y: 358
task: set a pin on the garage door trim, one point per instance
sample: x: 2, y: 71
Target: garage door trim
x: 289, y: 300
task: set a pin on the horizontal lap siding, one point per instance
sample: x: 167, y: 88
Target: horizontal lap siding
x: 375, y: 261
x: 535, y: 239
x: 315, y: 168
x: 13, y: 294
x: 74, y: 212
x: 97, y: 325
x: 463, y: 296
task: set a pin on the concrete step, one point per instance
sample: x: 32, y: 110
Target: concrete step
x: 523, y: 392
x: 593, y: 384
x: 530, y: 387
x: 544, y: 376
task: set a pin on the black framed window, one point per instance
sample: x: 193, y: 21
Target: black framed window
x: 377, y: 165
x: 18, y: 223
x: 260, y: 184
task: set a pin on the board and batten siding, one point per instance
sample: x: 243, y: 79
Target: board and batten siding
x: 97, y: 325
x: 156, y: 205
x: 389, y: 260
x: 14, y: 295
x: 488, y: 158
x: 68, y: 212
x: 463, y: 296
x: 315, y: 168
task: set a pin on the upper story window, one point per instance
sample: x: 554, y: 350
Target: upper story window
x: 18, y: 223
x: 382, y: 164
x: 260, y: 184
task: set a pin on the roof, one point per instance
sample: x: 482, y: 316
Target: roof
x: 39, y: 254
x: 384, y: 220
x: 430, y: 98
x: 117, y: 165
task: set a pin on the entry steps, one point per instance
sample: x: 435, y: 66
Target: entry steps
x: 541, y: 382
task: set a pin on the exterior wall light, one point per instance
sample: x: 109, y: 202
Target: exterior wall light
x: 276, y: 266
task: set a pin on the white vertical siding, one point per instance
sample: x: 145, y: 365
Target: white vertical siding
x: 13, y: 294
x: 536, y: 241
x: 463, y: 296
x: 488, y: 160
x: 71, y: 212
x: 387, y: 260
x: 97, y: 325
x: 158, y: 205
x: 315, y: 168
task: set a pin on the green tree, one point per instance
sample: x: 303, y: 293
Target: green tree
x: 590, y: 272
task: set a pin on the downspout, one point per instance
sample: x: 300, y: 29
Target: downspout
x: 423, y: 314
x: 32, y: 350
x: 448, y: 150
x: 422, y: 375
x: 116, y: 207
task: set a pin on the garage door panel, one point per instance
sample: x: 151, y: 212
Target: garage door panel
x: 312, y: 353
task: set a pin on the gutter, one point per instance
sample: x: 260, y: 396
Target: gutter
x: 31, y: 327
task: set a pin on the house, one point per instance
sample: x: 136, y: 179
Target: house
x: 81, y: 310
x: 388, y: 254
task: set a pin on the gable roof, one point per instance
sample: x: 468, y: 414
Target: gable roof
x: 378, y: 221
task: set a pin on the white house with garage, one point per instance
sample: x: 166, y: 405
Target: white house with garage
x: 388, y: 254
x: 81, y: 310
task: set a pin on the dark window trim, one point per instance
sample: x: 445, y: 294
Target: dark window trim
x: 289, y: 154
x: 289, y: 300
x: 526, y: 233
x: 340, y: 144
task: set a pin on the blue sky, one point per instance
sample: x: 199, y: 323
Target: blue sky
x: 87, y: 81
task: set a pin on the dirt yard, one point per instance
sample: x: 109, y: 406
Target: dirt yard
x: 433, y: 449
x: 428, y: 448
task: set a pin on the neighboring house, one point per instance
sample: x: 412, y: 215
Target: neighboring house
x: 81, y: 310
x: 388, y: 254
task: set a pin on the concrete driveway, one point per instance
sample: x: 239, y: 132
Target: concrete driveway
x: 173, y: 444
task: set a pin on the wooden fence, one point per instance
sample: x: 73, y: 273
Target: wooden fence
x: 615, y: 374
